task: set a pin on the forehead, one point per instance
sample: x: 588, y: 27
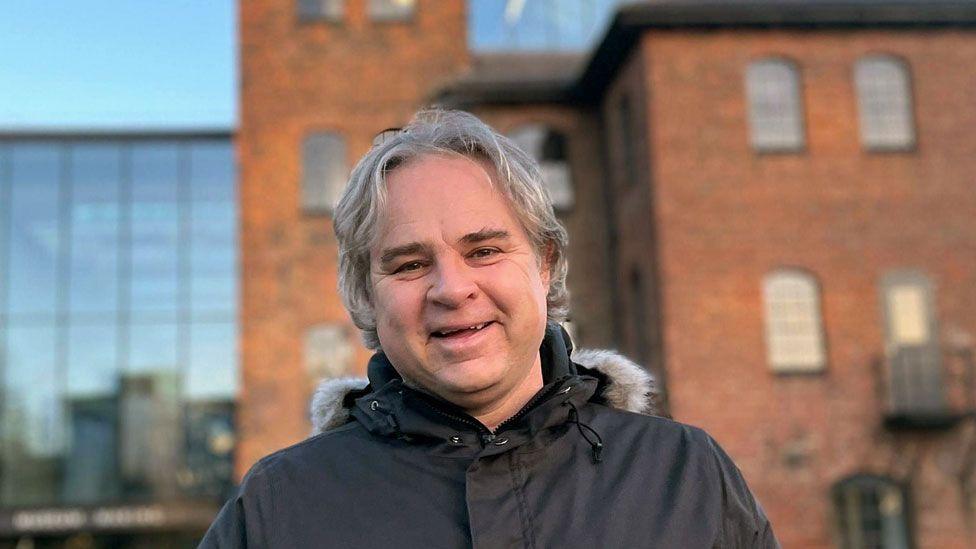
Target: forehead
x: 446, y: 193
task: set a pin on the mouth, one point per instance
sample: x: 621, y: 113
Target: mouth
x: 460, y: 331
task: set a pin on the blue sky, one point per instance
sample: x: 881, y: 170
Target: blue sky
x: 101, y: 64
x: 117, y: 63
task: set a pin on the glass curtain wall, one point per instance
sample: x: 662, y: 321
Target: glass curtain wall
x: 118, y: 312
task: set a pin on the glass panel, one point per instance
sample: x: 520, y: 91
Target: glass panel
x: 91, y: 469
x: 213, y: 244
x: 210, y: 448
x: 155, y: 228
x: 884, y: 101
x: 151, y: 437
x: 33, y: 423
x: 152, y: 348
x: 93, y: 366
x: 34, y: 247
x: 794, y: 329
x: 4, y: 235
x: 909, y: 315
x: 91, y: 403
x: 94, y: 228
x: 212, y: 372
x: 324, y: 171
x: 774, y: 105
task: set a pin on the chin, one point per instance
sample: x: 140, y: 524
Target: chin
x: 470, y: 377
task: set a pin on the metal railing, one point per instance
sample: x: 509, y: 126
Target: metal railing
x: 927, y: 387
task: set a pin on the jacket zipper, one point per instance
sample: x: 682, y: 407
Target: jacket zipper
x: 531, y: 403
x: 484, y: 433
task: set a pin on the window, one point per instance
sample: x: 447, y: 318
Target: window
x: 871, y: 513
x: 391, y: 10
x: 119, y: 318
x: 914, y: 367
x: 328, y: 353
x: 794, y: 330
x: 775, y: 111
x: 548, y: 147
x: 324, y: 171
x: 885, y: 103
x: 321, y: 9
x: 625, y: 117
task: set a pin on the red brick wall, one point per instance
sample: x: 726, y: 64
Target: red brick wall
x: 356, y: 77
x: 725, y: 216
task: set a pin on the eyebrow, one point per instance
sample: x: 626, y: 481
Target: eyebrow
x: 390, y: 254
x: 483, y: 235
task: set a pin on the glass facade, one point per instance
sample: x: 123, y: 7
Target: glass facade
x: 118, y: 319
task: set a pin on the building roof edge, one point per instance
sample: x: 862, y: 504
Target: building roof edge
x: 631, y: 20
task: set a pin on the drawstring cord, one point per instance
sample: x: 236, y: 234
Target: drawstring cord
x: 596, y: 447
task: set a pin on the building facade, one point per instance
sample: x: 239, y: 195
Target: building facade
x: 770, y: 205
x: 118, y: 323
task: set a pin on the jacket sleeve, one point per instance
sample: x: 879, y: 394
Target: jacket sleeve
x: 239, y: 523
x: 744, y: 524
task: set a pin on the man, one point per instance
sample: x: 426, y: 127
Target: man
x: 477, y: 428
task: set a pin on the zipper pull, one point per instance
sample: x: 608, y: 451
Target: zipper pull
x: 486, y: 439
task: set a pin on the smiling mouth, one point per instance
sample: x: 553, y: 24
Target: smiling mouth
x: 456, y: 332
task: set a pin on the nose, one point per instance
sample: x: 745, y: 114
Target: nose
x: 453, y: 283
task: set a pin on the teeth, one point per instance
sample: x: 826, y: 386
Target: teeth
x: 474, y: 327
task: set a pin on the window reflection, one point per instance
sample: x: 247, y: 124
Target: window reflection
x: 213, y: 246
x: 109, y: 390
x: 94, y: 255
x: 32, y: 416
x: 34, y: 246
x: 155, y: 225
x: 213, y: 350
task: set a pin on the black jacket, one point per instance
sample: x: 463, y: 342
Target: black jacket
x: 571, y: 469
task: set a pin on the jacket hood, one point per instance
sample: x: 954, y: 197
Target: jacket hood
x: 622, y: 384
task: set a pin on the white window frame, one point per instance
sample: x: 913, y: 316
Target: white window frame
x: 794, y: 325
x: 884, y: 100
x: 776, y: 116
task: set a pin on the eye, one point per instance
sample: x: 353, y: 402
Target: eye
x: 484, y: 253
x: 409, y: 267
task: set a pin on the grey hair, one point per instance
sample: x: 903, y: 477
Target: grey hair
x: 443, y: 132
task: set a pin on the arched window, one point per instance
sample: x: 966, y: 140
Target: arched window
x: 324, y: 171
x: 794, y: 329
x: 548, y: 147
x: 775, y: 109
x: 885, y: 103
x: 871, y: 513
x: 328, y: 352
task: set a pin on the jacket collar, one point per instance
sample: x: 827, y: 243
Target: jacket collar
x: 386, y: 406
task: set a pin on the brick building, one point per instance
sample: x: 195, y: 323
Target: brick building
x: 770, y: 204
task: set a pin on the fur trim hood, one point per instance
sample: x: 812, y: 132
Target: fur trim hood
x: 627, y: 387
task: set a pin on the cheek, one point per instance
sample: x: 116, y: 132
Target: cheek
x: 396, y: 306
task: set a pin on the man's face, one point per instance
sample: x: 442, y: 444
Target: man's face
x: 459, y: 293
